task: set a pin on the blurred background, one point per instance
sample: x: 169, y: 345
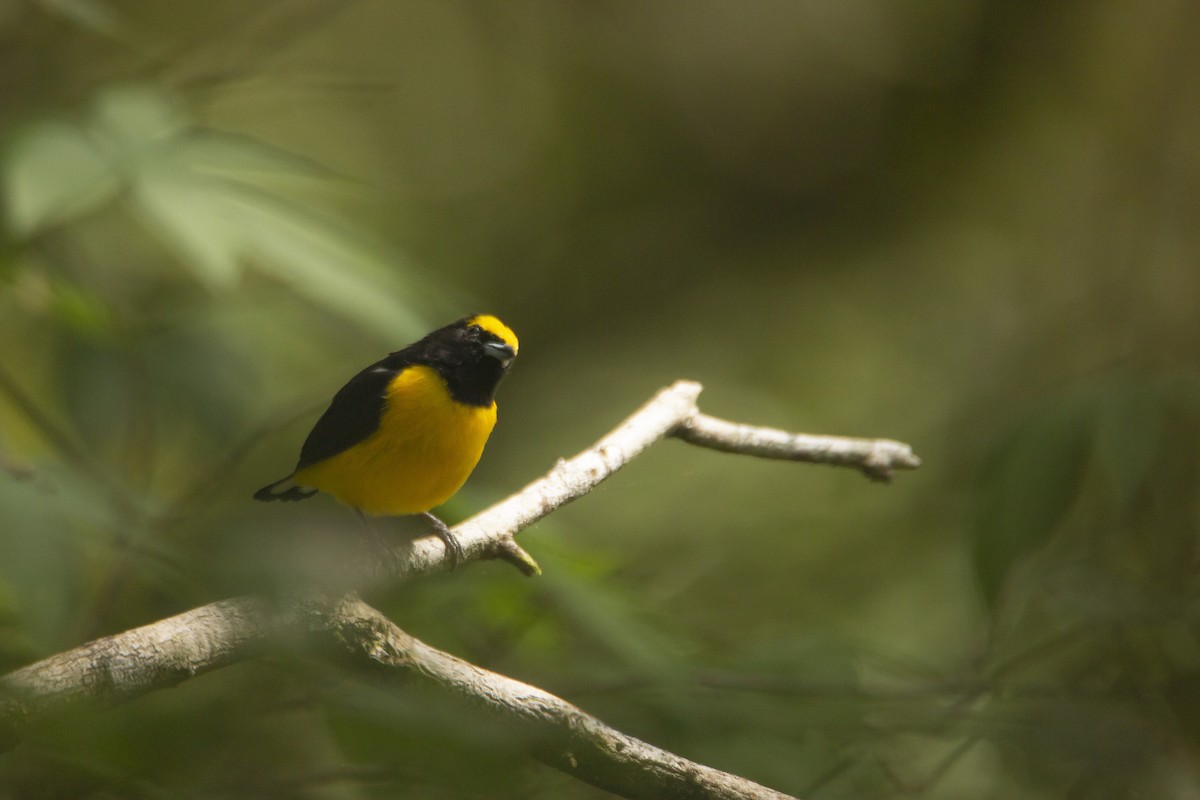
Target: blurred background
x: 970, y: 225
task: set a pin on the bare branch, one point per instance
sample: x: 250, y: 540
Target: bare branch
x: 556, y: 732
x: 671, y: 412
x: 132, y: 663
x: 167, y: 652
x: 876, y: 458
x: 485, y: 535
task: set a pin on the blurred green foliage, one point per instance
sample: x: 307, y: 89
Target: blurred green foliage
x: 970, y: 226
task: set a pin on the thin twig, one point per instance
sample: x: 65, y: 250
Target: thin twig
x: 876, y: 458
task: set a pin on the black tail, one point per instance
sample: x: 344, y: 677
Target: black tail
x: 283, y: 489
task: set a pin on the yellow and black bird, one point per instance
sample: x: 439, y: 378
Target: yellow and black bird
x: 403, y: 435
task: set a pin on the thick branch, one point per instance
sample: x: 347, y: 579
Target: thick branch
x: 555, y: 732
x: 163, y: 654
x: 130, y: 664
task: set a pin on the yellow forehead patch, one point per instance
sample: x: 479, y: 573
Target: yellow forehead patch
x: 495, y: 326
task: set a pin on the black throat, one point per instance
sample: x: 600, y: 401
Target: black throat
x: 474, y: 382
x: 458, y: 353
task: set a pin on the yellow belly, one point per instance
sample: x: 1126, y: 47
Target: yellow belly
x: 422, y: 453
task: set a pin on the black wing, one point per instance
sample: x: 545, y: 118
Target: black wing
x: 354, y: 413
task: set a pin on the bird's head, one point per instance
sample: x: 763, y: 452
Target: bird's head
x: 494, y: 338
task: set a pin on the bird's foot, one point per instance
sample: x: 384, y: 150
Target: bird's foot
x: 453, y: 546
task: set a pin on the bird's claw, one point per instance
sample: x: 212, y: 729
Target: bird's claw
x: 454, y: 547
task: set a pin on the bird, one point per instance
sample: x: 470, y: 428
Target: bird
x: 403, y: 435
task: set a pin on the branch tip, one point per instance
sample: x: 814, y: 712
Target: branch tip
x: 885, y: 457
x: 507, y: 549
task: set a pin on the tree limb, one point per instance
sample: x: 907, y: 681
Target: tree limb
x: 876, y: 458
x: 671, y: 412
x: 554, y: 731
x: 132, y: 663
x: 167, y: 652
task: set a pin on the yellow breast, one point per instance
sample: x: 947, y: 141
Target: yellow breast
x: 424, y: 449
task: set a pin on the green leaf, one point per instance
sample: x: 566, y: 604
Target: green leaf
x: 53, y: 174
x: 1028, y: 488
x: 194, y: 217
x: 331, y: 268
x: 203, y: 192
x: 242, y: 158
x: 131, y: 118
x: 216, y: 225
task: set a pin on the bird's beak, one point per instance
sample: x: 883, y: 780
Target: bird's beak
x: 499, y: 351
